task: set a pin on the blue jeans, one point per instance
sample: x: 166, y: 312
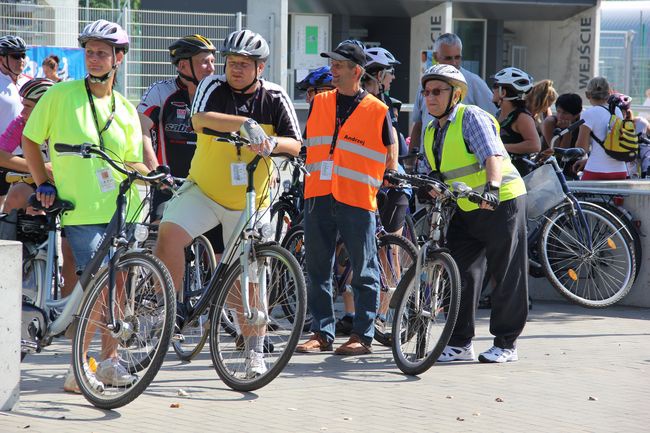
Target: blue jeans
x: 84, y: 240
x: 324, y: 218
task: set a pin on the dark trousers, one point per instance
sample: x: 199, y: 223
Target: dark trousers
x: 324, y: 218
x: 496, y: 241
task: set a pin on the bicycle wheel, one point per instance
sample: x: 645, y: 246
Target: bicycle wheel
x: 282, y: 219
x: 593, y: 277
x: 421, y: 225
x: 200, y: 263
x: 426, y: 309
x: 294, y: 242
x: 396, y: 255
x: 145, y: 307
x: 279, y: 270
x: 409, y: 231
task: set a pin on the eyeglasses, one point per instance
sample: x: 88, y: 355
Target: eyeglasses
x: 450, y: 58
x: 17, y: 56
x: 434, y: 92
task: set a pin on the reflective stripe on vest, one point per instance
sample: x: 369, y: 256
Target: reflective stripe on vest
x: 359, y: 157
x: 459, y: 165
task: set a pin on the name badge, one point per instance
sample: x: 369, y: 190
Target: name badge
x: 326, y: 169
x: 106, y: 180
x: 238, y: 173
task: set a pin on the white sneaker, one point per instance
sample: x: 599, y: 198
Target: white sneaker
x: 111, y: 372
x: 454, y: 353
x: 70, y: 384
x: 255, y: 365
x: 497, y: 354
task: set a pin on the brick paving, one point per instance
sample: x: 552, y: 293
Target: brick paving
x: 579, y: 371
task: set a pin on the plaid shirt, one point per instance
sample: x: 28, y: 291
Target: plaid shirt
x: 479, y: 132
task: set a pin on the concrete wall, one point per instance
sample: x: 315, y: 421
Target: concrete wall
x: 563, y: 51
x: 11, y: 254
x: 425, y: 28
x: 271, y: 20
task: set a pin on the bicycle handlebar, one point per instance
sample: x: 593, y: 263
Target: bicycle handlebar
x: 86, y: 150
x: 456, y: 191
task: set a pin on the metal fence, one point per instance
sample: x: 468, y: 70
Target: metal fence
x: 151, y: 32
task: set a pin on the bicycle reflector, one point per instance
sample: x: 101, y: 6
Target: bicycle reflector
x: 611, y: 244
x: 572, y: 274
x: 140, y: 233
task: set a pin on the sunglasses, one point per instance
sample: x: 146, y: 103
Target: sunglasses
x: 435, y: 92
x: 17, y: 56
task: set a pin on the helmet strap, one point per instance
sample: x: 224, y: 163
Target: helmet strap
x: 191, y: 79
x: 245, y: 89
x: 107, y: 76
x: 450, y: 106
x: 11, y: 73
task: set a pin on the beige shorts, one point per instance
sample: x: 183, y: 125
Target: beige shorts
x: 196, y: 213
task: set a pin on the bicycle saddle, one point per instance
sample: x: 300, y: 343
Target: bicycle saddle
x: 57, y: 206
x: 570, y: 154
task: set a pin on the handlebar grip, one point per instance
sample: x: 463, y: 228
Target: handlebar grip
x: 571, y: 127
x: 70, y: 148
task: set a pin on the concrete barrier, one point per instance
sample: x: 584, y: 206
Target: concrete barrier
x: 11, y: 254
x: 637, y: 201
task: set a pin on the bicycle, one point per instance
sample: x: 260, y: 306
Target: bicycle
x: 129, y: 300
x: 427, y: 298
x: 396, y: 255
x: 248, y: 296
x: 585, y: 251
x: 287, y: 210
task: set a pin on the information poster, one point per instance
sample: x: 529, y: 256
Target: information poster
x: 71, y: 61
x: 310, y: 36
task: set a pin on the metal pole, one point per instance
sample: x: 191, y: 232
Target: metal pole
x: 629, y: 37
x: 238, y: 21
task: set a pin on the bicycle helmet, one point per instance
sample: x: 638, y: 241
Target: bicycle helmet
x: 189, y: 46
x: 105, y: 31
x: 35, y: 88
x: 450, y: 75
x: 12, y: 44
x: 245, y: 43
x: 619, y: 100
x: 316, y: 78
x: 356, y: 42
x: 515, y: 80
x: 380, y: 58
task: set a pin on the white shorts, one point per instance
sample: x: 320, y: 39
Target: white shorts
x: 196, y: 213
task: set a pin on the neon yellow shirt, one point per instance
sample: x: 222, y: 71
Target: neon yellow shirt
x: 63, y: 115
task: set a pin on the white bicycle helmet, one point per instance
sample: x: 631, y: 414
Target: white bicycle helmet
x: 245, y: 43
x: 515, y: 79
x: 380, y: 58
x: 105, y: 31
x: 447, y: 73
x: 12, y: 44
x: 35, y: 88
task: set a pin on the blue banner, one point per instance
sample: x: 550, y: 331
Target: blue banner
x: 71, y: 61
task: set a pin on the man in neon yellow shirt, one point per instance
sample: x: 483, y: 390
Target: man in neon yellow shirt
x: 88, y: 111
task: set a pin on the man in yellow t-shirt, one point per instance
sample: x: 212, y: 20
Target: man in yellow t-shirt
x: 237, y: 101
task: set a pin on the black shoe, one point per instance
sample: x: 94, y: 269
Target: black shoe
x: 343, y: 326
x: 485, y: 303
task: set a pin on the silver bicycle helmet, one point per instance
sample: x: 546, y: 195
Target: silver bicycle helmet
x: 12, y: 44
x: 447, y: 73
x: 380, y: 58
x: 105, y: 31
x: 245, y: 43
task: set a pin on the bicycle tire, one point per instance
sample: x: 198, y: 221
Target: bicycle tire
x: 631, y: 230
x: 400, y: 248
x: 281, y: 270
x: 201, y: 266
x: 282, y: 219
x: 421, y: 225
x: 33, y: 276
x: 415, y: 346
x: 150, y: 312
x: 294, y: 242
x: 566, y: 262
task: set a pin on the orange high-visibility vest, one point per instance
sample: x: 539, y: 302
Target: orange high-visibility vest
x: 359, y: 156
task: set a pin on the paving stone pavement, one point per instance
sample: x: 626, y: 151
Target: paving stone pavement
x: 579, y: 370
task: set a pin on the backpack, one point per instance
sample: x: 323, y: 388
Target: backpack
x: 621, y: 141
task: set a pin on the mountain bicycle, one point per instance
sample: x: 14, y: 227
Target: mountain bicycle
x: 427, y: 299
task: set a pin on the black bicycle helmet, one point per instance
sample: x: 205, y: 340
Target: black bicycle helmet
x: 316, y: 78
x: 12, y: 44
x: 189, y: 46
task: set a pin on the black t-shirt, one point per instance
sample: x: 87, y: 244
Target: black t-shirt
x: 269, y: 105
x: 345, y: 105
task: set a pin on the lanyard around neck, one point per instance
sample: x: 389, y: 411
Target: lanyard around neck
x: 340, y: 119
x: 94, y: 111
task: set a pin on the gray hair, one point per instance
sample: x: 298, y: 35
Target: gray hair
x: 450, y: 39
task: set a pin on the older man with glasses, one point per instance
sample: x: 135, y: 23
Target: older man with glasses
x: 12, y: 64
x: 447, y: 50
